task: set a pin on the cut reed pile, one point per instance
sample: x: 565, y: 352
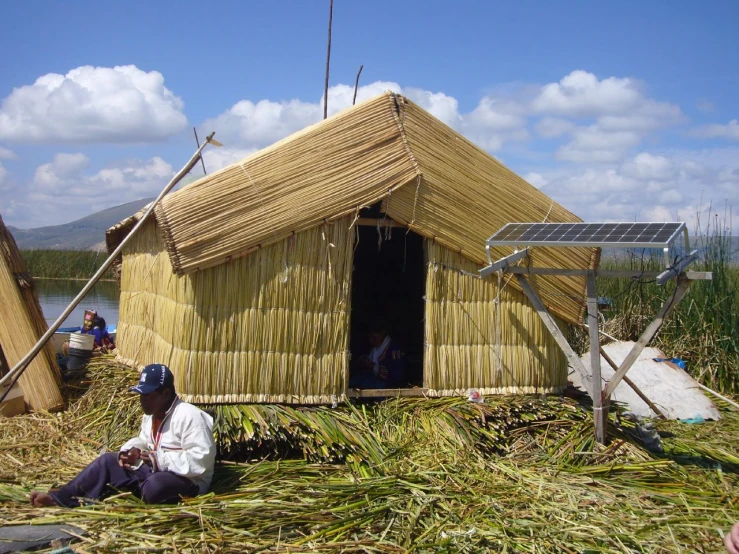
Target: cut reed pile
x: 516, y: 474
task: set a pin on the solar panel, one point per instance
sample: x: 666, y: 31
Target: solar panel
x: 643, y: 235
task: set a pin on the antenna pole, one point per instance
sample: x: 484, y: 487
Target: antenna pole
x: 328, y: 59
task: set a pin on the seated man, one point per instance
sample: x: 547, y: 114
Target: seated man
x: 384, y: 367
x: 172, y: 457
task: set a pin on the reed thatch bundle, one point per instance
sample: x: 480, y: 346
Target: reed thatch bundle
x: 515, y: 474
x: 479, y: 336
x: 270, y: 327
x: 430, y: 178
x: 21, y: 325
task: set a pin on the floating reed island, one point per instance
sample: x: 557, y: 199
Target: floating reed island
x: 515, y: 474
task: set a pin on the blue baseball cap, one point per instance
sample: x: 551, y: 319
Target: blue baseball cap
x: 153, y: 377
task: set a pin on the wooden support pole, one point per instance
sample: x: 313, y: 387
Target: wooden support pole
x: 625, y: 274
x: 550, y: 324
x: 600, y: 408
x: 504, y: 262
x: 682, y: 287
x: 633, y: 386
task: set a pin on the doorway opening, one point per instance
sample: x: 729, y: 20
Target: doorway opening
x: 388, y: 286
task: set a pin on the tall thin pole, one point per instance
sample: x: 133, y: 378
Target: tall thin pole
x: 356, y: 84
x: 328, y: 59
x: 21, y: 366
x: 194, y: 130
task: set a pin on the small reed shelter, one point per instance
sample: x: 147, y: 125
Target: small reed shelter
x: 21, y: 325
x: 257, y: 283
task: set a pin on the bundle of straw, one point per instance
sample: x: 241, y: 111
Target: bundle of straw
x: 512, y: 475
x: 21, y: 325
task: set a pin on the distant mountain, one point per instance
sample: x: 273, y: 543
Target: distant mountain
x: 87, y: 233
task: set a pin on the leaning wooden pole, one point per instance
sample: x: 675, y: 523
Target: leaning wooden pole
x: 20, y: 367
x: 21, y: 325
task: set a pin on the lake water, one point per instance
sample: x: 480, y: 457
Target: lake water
x: 55, y: 295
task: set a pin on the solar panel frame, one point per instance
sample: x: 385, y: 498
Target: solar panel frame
x: 610, y: 235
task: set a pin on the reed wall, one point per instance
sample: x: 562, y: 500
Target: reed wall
x: 272, y: 326
x: 479, y: 338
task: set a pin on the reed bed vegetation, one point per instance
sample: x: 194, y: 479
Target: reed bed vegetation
x: 702, y: 328
x: 64, y: 264
x: 515, y: 474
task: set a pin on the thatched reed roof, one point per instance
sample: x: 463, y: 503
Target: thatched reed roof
x: 386, y: 149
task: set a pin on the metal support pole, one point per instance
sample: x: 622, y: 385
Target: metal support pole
x: 600, y: 408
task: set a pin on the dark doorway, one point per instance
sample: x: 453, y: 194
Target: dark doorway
x: 389, y: 283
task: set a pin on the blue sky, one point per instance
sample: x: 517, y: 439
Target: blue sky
x: 618, y: 110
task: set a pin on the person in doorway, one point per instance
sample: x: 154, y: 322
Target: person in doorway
x: 172, y: 457
x: 384, y: 367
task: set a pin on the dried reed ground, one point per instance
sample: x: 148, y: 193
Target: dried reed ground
x: 518, y: 474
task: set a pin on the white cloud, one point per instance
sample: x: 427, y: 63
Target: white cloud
x: 536, y: 179
x: 593, y: 144
x: 671, y: 196
x: 67, y: 185
x: 550, y: 127
x: 92, y: 104
x: 728, y: 131
x: 581, y: 94
x: 250, y: 125
x: 7, y: 154
x: 672, y: 185
x: 647, y: 166
x: 609, y: 117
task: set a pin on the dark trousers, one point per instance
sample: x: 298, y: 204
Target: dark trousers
x: 104, y: 476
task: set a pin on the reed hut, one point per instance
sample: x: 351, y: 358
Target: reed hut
x: 21, y: 325
x: 255, y: 283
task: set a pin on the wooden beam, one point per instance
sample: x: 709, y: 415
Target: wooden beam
x: 633, y: 386
x: 625, y: 274
x: 550, y: 324
x: 504, y: 262
x: 381, y: 393
x: 600, y: 408
x: 373, y: 222
x: 648, y: 335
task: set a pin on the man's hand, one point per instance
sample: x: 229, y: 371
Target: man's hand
x: 127, y: 458
x: 147, y: 458
x: 731, y: 541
